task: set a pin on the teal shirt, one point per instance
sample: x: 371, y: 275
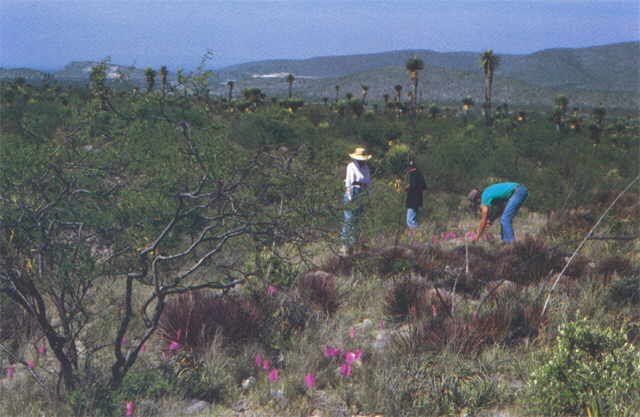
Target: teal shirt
x: 500, y: 191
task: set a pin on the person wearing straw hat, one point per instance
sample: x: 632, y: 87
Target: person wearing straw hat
x: 357, y: 180
x: 499, y: 200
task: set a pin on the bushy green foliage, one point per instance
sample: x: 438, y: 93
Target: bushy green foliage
x: 623, y: 291
x: 592, y: 370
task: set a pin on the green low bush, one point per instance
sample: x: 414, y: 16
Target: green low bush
x: 591, y: 371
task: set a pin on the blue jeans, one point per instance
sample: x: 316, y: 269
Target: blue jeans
x: 412, y: 218
x: 352, y: 213
x: 510, y: 211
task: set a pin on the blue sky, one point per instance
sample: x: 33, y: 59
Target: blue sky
x: 177, y: 33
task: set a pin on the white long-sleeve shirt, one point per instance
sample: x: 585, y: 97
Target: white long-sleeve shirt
x: 356, y: 174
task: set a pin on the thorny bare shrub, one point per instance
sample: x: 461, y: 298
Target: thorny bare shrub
x: 193, y: 319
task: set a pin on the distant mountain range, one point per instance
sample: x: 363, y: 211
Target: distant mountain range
x: 606, y: 75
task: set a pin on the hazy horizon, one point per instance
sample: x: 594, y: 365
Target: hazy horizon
x: 47, y: 35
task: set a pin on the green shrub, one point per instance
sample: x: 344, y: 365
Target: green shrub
x: 591, y: 370
x: 624, y: 291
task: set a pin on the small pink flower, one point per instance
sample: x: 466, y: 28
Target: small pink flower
x: 42, y: 349
x: 30, y: 364
x: 381, y: 324
x: 345, y: 370
x: 358, y: 354
x: 258, y: 360
x: 123, y: 341
x: 309, y: 381
x: 131, y: 408
x: 271, y: 290
x: 173, y: 346
x: 349, y: 357
x: 265, y: 364
x: 352, y: 332
x: 143, y: 348
x: 434, y: 310
x: 10, y: 371
x: 331, y: 352
x: 273, y: 375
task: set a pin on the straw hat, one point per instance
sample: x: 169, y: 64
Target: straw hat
x: 360, y: 154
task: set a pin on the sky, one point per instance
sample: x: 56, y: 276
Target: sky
x: 48, y: 34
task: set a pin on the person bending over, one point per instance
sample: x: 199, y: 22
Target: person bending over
x: 499, y: 200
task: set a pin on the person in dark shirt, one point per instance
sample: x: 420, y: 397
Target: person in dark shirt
x: 415, y: 187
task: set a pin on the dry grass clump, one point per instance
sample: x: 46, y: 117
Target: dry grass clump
x: 407, y: 298
x: 194, y: 318
x: 338, y: 265
x: 614, y: 265
x: 319, y: 289
x: 387, y: 261
x: 506, y: 320
x: 526, y: 262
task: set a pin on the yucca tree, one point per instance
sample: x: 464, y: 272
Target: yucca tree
x: 290, y: 78
x: 365, y: 92
x: 433, y: 110
x: 230, y: 85
x: 398, y: 89
x: 337, y: 93
x: 164, y: 73
x: 385, y: 97
x: 489, y: 62
x: 467, y: 105
x: 150, y: 76
x: 599, y: 113
x: 413, y: 65
x: 562, y: 101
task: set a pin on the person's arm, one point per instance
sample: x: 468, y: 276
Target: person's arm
x: 349, y: 181
x: 484, y: 220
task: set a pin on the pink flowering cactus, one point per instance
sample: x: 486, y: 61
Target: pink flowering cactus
x: 331, y: 352
x: 10, y: 371
x: 309, y: 381
x: 352, y: 332
x: 346, y: 370
x: 42, y: 349
x: 131, y: 408
x: 349, y: 357
x: 258, y: 360
x: 174, y: 346
x: 273, y: 375
x: 265, y: 364
x: 143, y: 348
x: 30, y: 364
x: 272, y: 291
